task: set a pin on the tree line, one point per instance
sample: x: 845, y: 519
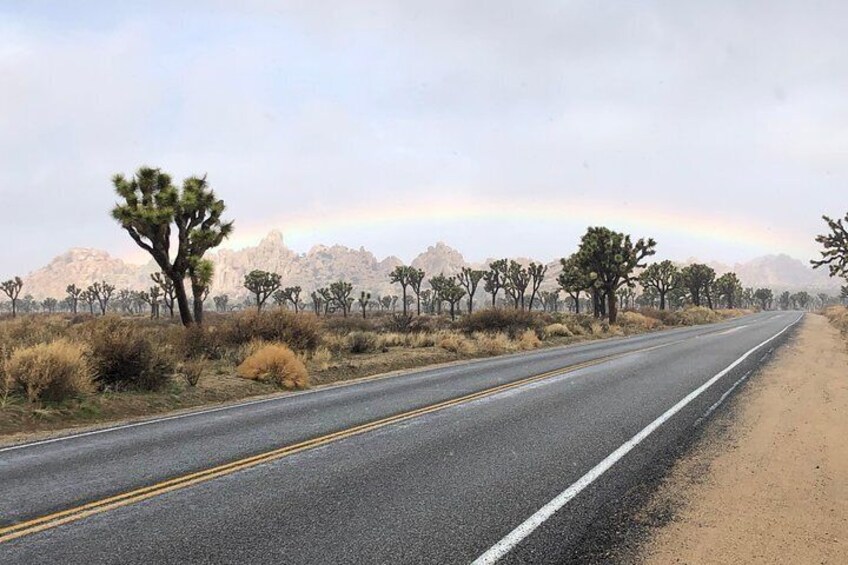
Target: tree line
x: 177, y: 225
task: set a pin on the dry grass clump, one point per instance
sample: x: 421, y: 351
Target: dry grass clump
x: 697, y: 315
x: 638, y: 322
x: 838, y: 316
x: 493, y: 344
x: 192, y: 370
x: 31, y: 330
x: 50, y: 371
x: 528, y: 340
x: 277, y: 364
x: 322, y: 358
x: 343, y: 326
x: 456, y: 343
x: 557, y: 330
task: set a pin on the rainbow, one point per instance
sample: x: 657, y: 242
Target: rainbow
x: 640, y: 219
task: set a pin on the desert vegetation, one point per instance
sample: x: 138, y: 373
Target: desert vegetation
x: 104, y: 352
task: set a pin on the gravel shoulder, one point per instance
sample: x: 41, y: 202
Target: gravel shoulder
x: 768, y: 481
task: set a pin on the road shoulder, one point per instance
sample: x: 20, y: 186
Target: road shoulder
x: 768, y: 480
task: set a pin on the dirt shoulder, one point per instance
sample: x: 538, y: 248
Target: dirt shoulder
x: 774, y: 489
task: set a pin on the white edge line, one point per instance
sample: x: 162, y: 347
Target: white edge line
x: 504, y: 546
x: 278, y: 397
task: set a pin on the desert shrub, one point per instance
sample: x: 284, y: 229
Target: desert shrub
x: 493, y: 344
x: 665, y: 317
x: 30, y: 330
x: 528, y: 340
x: 696, y: 315
x: 399, y: 323
x: 456, y: 343
x: 431, y: 324
x: 838, y: 316
x: 301, y: 332
x: 636, y: 321
x: 511, y: 322
x: 426, y: 339
x: 344, y: 326
x: 275, y: 363
x: 322, y: 358
x: 361, y: 342
x: 192, y: 370
x: 197, y: 342
x: 393, y: 339
x: 557, y: 330
x: 123, y: 357
x: 50, y: 371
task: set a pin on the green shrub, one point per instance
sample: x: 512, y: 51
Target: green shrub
x: 50, y: 371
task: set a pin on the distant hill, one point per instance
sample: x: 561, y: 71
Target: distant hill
x: 322, y: 265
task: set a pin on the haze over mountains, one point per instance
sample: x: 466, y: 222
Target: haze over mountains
x: 324, y: 264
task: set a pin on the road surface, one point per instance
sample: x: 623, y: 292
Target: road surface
x: 508, y: 460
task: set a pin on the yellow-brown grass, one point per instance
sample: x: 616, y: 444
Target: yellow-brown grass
x: 528, y: 340
x: 50, y: 371
x: 838, y: 316
x: 456, y: 343
x: 493, y: 344
x: 275, y: 363
x: 557, y: 330
x: 638, y: 322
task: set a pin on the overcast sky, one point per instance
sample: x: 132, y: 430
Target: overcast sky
x: 502, y: 128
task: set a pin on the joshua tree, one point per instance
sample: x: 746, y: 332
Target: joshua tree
x: 661, y: 277
x: 550, y: 300
x: 416, y: 278
x: 340, y: 292
x: 73, y: 296
x: 262, y: 284
x: 728, y: 287
x: 537, y: 276
x: 843, y: 295
x: 49, y: 304
x: 785, y: 300
x: 573, y: 280
x: 517, y: 280
x: 200, y: 273
x: 12, y: 288
x: 221, y: 301
x: 469, y: 279
x: 326, y: 298
x: 447, y: 289
x: 764, y: 296
x: 402, y: 275
x: 168, y: 292
x: 698, y: 280
x: 801, y: 300
x: 364, y: 299
x: 279, y: 298
x: 317, y: 301
x: 609, y: 258
x: 103, y: 292
x: 292, y: 294
x: 495, y: 278
x: 150, y: 204
x: 89, y: 297
x: 835, y: 243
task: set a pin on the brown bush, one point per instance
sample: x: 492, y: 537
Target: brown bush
x: 300, y: 332
x: 277, y: 364
x: 361, y: 342
x: 456, y: 343
x: 123, y: 356
x: 511, y: 322
x: 528, y: 340
x: 343, y: 326
x: 636, y: 321
x: 50, y: 371
x: 192, y: 370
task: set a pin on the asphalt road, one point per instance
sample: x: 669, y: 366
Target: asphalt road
x: 441, y: 485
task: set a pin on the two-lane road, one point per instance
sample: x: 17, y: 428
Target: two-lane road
x: 509, y: 458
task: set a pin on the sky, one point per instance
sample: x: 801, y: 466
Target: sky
x: 502, y: 128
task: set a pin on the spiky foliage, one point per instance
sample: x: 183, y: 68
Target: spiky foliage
x: 661, y: 277
x: 537, y: 273
x: 340, y: 294
x: 222, y: 302
x: 168, y: 292
x: 698, y: 279
x: 261, y: 284
x: 416, y: 279
x: 496, y: 278
x: 12, y: 288
x: 151, y: 207
x: 835, y: 243
x: 469, y: 279
x: 363, y: 300
x: 447, y: 289
x: 402, y: 275
x: 765, y: 297
x: 573, y: 280
x: 73, y: 296
x: 729, y: 288
x: 103, y: 291
x: 609, y: 258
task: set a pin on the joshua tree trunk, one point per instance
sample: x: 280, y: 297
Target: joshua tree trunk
x: 182, y: 302
x: 612, y: 307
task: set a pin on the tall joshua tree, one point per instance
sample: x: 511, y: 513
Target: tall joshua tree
x: 495, y: 278
x: 168, y: 293
x: 416, y: 279
x: 609, y: 258
x: 150, y: 207
x: 73, y: 298
x: 12, y: 288
x: 537, y: 276
x: 835, y: 243
x: 262, y: 285
x: 402, y: 275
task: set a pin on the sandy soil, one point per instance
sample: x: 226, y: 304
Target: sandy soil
x: 775, y: 489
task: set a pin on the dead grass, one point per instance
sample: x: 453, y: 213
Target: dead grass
x: 277, y: 364
x: 50, y: 371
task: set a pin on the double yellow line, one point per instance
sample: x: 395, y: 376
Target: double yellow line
x: 55, y: 519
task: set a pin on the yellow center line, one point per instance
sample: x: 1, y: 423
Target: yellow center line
x: 55, y: 519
